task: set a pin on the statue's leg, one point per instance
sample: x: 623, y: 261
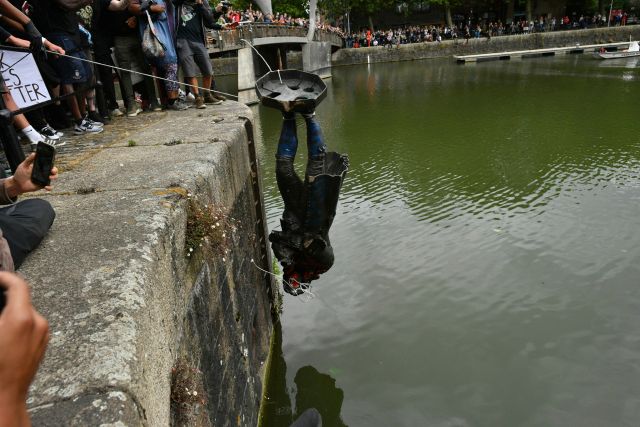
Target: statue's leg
x: 315, y: 145
x: 290, y: 185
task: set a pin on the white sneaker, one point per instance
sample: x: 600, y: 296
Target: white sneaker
x: 51, y: 133
x: 52, y: 142
x: 57, y: 143
x: 191, y: 98
x: 134, y: 111
x: 116, y: 112
x: 86, y: 127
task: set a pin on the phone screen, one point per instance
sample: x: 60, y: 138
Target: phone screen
x: 45, y: 155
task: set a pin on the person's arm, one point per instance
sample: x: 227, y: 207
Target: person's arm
x: 21, y: 183
x: 29, y: 29
x: 205, y: 10
x: 24, y: 335
x: 11, y: 23
x: 138, y: 7
x: 6, y: 37
x: 15, y: 41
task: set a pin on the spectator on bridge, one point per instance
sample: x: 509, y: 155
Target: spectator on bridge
x: 193, y: 17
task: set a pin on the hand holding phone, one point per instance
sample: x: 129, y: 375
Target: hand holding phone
x: 43, y: 164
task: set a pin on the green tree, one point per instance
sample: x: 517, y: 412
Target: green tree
x: 447, y: 5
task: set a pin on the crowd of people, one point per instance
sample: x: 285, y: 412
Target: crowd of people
x: 71, y: 32
x: 467, y: 29
x: 250, y: 16
x: 102, y: 30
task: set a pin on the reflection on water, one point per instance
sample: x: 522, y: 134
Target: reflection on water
x: 620, y: 63
x: 487, y: 246
x: 312, y: 390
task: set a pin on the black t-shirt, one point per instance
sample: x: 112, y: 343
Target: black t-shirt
x: 50, y: 18
x: 115, y: 23
x: 190, y: 25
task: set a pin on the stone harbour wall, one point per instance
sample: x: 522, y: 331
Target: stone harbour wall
x: 448, y: 48
x: 158, y: 313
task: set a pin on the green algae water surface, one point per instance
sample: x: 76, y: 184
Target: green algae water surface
x: 487, y: 249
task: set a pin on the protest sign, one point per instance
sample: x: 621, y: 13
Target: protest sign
x: 22, y: 78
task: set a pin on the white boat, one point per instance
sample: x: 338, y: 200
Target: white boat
x: 633, y: 50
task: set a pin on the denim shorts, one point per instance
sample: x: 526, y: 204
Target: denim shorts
x: 70, y: 70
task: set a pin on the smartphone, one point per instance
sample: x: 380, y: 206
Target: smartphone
x: 3, y: 299
x: 45, y: 155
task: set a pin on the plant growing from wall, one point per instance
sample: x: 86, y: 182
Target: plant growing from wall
x: 206, y: 228
x: 187, y: 393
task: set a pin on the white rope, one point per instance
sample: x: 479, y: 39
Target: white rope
x: 261, y: 57
x: 141, y: 73
x: 256, y: 50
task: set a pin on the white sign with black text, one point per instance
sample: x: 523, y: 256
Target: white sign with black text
x: 22, y: 78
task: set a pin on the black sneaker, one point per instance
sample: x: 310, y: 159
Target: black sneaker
x: 94, y: 118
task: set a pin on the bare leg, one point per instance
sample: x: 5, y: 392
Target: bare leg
x: 73, y: 102
x: 194, y: 85
x: 206, y: 81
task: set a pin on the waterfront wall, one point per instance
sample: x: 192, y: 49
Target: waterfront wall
x: 149, y: 280
x: 448, y: 49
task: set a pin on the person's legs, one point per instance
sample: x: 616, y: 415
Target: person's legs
x: 20, y: 121
x: 122, y: 46
x: 72, y: 103
x: 202, y: 60
x: 102, y: 52
x: 214, y: 97
x: 71, y: 71
x: 170, y: 72
x: 24, y: 225
x: 189, y: 68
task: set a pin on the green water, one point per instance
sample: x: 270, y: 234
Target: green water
x: 487, y: 249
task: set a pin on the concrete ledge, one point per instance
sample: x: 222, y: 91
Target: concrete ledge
x: 125, y: 302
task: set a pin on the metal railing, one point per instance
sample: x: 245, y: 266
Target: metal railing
x: 226, y: 40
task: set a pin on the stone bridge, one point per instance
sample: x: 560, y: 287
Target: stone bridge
x: 273, y: 42
x: 266, y: 34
